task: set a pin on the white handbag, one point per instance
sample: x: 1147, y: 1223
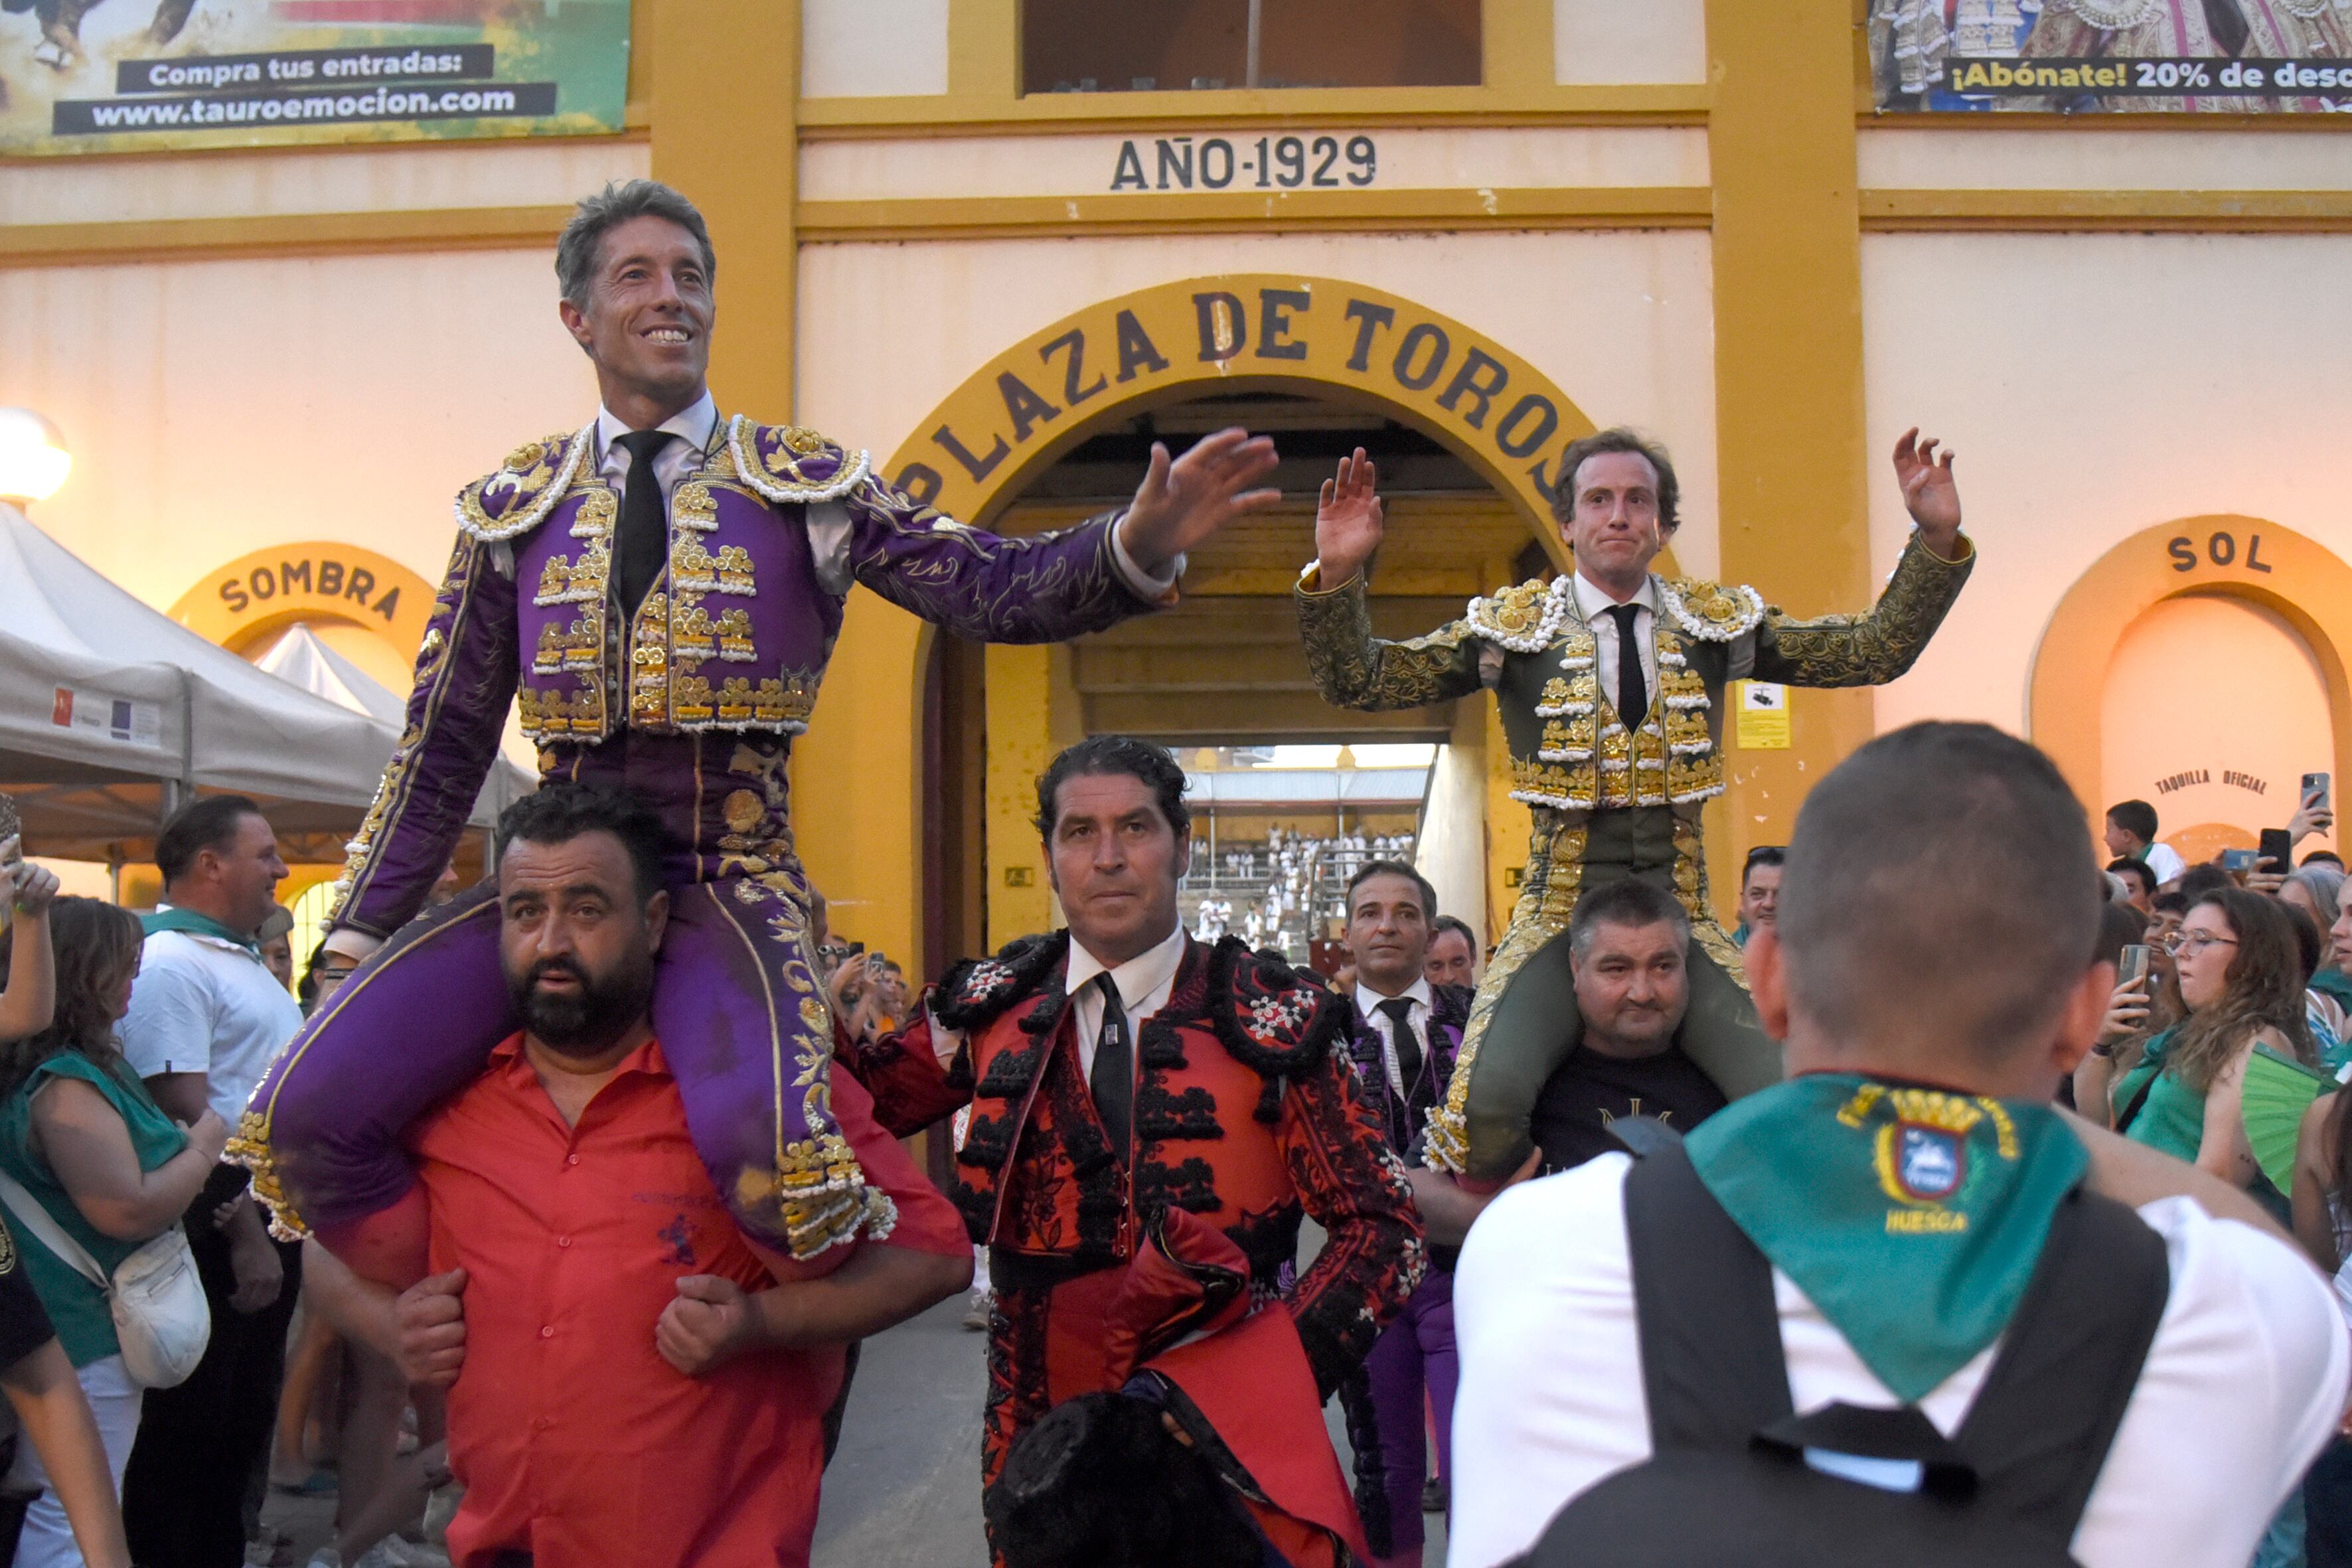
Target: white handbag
x: 155, y: 1294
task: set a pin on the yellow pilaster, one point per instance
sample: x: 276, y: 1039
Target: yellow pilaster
x: 1788, y: 367
x: 725, y: 107
x: 856, y: 816
x: 725, y: 103
x: 1517, y: 44
x: 984, y: 49
x: 1020, y: 744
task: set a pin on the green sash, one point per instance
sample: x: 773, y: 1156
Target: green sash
x: 1911, y: 1217
x: 169, y: 918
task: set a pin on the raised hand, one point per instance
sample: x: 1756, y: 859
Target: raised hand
x: 2126, y: 1010
x: 1349, y: 521
x: 2309, y: 818
x: 1180, y: 504
x: 33, y: 887
x: 1929, y: 492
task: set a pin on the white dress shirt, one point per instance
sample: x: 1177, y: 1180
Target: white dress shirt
x: 829, y: 523
x: 2240, y: 1392
x: 1367, y: 1002
x: 1593, y: 603
x: 1143, y: 983
x: 692, y: 425
x: 2164, y: 863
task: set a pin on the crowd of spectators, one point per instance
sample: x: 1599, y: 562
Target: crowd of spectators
x: 127, y: 1045
x: 1289, y: 891
x: 2228, y: 1028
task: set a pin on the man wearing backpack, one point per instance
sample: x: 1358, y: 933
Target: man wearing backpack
x: 1897, y: 1308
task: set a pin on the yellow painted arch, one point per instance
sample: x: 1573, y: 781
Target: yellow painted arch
x: 1250, y: 332
x: 2246, y: 558
x: 858, y: 771
x: 242, y: 603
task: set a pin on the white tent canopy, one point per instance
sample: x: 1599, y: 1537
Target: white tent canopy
x: 304, y: 658
x: 110, y: 710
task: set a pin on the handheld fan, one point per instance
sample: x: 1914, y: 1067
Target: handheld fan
x: 2278, y: 1090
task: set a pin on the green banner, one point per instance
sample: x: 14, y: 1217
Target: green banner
x: 114, y: 76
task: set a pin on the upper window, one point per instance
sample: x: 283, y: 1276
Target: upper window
x: 1119, y: 46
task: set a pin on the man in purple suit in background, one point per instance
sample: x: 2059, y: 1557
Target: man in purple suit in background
x: 1406, y: 1035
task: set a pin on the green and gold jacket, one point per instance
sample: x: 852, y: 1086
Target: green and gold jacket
x: 1571, y: 751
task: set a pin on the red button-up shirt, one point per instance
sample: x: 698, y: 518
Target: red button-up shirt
x: 575, y: 1441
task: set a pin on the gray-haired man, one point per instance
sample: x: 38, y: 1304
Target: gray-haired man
x: 663, y: 588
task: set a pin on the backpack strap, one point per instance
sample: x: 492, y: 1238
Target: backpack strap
x: 1710, y: 1332
x: 2131, y: 1112
x: 2039, y: 1430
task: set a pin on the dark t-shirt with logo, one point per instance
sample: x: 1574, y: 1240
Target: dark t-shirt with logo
x: 1589, y: 1091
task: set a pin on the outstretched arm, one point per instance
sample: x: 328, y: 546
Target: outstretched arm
x: 1352, y: 667
x: 1874, y: 648
x: 912, y: 1084
x: 1049, y: 587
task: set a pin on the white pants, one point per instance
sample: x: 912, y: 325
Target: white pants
x: 47, y: 1541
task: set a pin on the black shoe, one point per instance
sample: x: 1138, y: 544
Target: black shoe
x: 1434, y: 1496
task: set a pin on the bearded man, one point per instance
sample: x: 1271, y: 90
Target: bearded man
x: 629, y: 1382
x: 661, y: 589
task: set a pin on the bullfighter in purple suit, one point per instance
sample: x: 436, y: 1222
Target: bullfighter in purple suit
x: 662, y: 590
x: 1406, y: 1034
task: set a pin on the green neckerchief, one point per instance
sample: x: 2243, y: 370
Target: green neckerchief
x: 2332, y: 982
x: 170, y: 919
x: 1911, y: 1217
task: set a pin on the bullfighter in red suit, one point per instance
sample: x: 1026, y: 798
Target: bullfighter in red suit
x: 660, y: 591
x: 1102, y: 1478
x: 1119, y: 1070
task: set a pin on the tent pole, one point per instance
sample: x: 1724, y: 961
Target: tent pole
x: 179, y: 791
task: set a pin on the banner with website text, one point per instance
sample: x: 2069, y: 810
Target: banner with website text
x: 2165, y: 56
x: 115, y: 76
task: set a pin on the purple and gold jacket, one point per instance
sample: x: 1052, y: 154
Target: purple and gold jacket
x: 734, y: 637
x: 1403, y: 1112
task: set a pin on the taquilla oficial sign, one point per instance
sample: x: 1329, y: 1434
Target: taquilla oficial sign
x: 1252, y: 331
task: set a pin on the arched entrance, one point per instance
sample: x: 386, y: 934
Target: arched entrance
x: 1243, y: 332
x: 1015, y: 448
x: 2200, y: 665
x: 367, y: 606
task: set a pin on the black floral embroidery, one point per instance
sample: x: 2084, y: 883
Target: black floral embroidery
x: 1190, y: 1184
x: 1161, y: 1116
x: 976, y: 992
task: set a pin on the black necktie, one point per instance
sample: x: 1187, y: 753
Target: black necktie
x: 1632, y: 691
x: 1113, y: 1079
x: 1408, y: 1044
x: 644, y: 541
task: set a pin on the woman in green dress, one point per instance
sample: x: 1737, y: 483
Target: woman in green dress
x: 2240, y: 974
